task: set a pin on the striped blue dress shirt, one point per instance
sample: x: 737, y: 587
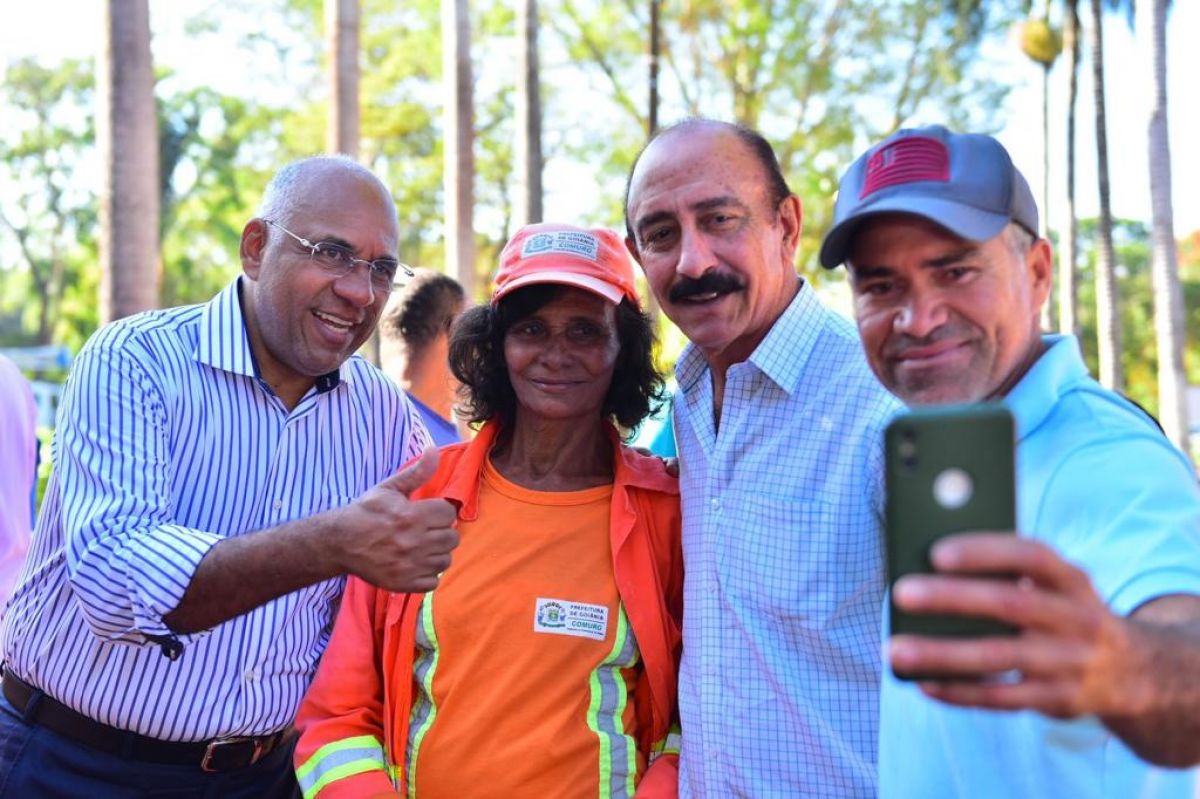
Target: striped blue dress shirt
x: 167, y: 442
x: 784, y: 564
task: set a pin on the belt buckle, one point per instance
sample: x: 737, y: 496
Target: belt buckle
x: 215, y: 747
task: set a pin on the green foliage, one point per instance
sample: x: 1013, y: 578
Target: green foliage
x: 820, y: 80
x: 1131, y: 243
x: 47, y: 212
x: 210, y: 188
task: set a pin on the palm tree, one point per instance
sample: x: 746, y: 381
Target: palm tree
x: 1108, y: 320
x: 342, y: 121
x: 655, y: 54
x: 1168, y: 299
x: 127, y: 138
x: 1068, y: 294
x: 1041, y: 43
x: 527, y: 154
x: 341, y: 37
x: 458, y: 136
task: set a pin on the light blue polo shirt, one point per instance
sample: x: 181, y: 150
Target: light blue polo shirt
x: 1099, y: 483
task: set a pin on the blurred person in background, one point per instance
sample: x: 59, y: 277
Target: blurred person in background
x: 417, y: 323
x: 18, y: 473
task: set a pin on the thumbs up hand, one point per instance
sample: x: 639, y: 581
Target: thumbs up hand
x: 396, y: 543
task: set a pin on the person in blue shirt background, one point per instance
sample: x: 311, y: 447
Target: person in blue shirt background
x: 418, y: 321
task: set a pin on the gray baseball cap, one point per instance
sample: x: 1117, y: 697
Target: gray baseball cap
x: 965, y: 182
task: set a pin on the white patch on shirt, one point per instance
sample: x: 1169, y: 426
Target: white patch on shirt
x: 563, y: 617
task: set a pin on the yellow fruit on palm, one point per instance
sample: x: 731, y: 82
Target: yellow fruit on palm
x: 1040, y: 41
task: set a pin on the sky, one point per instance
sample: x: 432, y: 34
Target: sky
x: 37, y: 29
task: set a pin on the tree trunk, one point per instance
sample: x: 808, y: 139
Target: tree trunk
x: 1068, y: 296
x: 127, y: 141
x: 342, y: 22
x: 1168, y: 298
x: 1108, y: 318
x: 527, y: 154
x: 655, y: 53
x: 458, y: 137
x: 1048, y: 314
x: 341, y: 38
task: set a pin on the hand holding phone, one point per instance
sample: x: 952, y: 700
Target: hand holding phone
x: 950, y: 469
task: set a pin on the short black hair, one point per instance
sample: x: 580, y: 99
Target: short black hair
x: 758, y: 145
x: 477, y: 360
x: 426, y: 306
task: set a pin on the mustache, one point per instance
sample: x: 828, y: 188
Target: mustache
x: 708, y: 283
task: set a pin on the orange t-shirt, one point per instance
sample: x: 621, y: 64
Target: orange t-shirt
x: 525, y: 662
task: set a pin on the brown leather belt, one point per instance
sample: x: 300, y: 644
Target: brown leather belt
x: 225, y: 754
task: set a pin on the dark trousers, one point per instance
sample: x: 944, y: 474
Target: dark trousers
x: 36, y: 763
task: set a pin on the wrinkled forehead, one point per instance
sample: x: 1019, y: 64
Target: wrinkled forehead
x: 693, y: 166
x: 345, y: 201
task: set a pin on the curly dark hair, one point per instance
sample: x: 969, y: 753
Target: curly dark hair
x: 477, y: 360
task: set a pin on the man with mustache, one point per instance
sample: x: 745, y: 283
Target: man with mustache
x: 1102, y: 582
x: 218, y: 470
x: 779, y: 424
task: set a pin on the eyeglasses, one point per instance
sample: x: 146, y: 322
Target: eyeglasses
x: 339, y: 260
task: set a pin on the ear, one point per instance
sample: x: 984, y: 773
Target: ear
x: 631, y: 245
x: 254, y: 242
x: 1040, y: 263
x: 791, y: 217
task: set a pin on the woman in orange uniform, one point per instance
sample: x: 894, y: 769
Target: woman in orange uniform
x: 544, y: 663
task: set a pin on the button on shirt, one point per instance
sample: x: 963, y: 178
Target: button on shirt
x: 168, y: 442
x: 782, y: 538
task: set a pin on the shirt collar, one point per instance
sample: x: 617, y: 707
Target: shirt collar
x: 782, y: 353
x: 1036, y: 394
x: 631, y: 469
x: 224, y: 343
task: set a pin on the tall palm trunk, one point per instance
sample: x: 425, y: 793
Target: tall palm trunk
x: 655, y: 55
x: 1108, y: 318
x: 1068, y: 292
x: 1168, y: 298
x: 127, y: 139
x: 341, y: 41
x: 1048, y: 310
x: 458, y: 136
x: 527, y: 154
x: 342, y: 122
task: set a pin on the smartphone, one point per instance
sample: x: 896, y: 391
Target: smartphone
x: 950, y: 469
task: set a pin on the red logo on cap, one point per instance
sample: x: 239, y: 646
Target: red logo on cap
x: 906, y: 160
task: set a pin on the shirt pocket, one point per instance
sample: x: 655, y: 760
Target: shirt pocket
x: 796, y: 560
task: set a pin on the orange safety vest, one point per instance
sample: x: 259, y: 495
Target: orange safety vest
x: 354, y: 720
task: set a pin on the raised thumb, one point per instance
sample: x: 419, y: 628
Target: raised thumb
x: 415, y: 473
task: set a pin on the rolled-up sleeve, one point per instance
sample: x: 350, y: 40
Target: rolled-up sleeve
x: 128, y: 562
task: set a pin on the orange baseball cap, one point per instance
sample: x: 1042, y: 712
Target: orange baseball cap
x: 594, y: 259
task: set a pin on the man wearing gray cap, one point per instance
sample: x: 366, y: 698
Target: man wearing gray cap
x: 948, y: 277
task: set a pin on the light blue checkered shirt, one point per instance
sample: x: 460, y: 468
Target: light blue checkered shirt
x: 782, y: 538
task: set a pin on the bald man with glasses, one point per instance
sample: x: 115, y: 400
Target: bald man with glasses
x: 218, y: 470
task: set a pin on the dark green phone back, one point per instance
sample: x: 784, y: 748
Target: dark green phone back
x: 921, y: 445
